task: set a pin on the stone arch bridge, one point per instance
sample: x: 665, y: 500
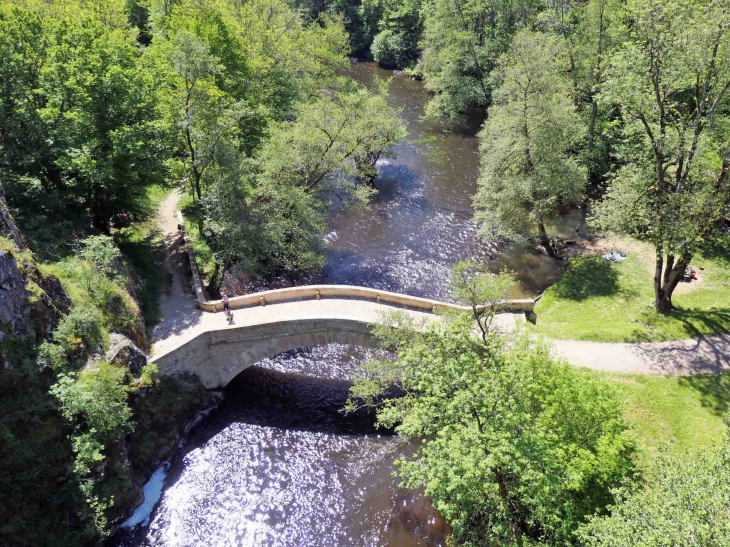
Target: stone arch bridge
x: 272, y: 322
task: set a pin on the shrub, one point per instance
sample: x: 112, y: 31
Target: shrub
x: 100, y: 253
x: 97, y: 401
x: 116, y: 306
x: 52, y: 356
x: 148, y: 374
x: 388, y: 49
x: 82, y: 329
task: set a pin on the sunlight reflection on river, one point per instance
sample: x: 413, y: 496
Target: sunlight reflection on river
x: 279, y: 465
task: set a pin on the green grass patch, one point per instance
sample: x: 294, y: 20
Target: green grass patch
x: 204, y: 259
x: 605, y: 302
x: 688, y: 411
x: 117, y: 307
x: 144, y: 248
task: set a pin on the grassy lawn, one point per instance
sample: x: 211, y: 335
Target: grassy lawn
x: 689, y: 411
x: 143, y: 247
x: 203, y: 254
x: 606, y: 302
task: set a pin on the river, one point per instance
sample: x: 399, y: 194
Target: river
x: 277, y: 464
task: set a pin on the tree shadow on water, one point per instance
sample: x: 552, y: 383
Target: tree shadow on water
x: 587, y: 277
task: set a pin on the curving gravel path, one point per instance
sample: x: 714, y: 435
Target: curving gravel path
x: 182, y: 321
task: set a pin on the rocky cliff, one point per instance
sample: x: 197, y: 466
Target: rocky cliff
x: 31, y: 304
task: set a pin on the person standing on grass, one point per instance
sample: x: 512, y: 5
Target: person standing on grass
x: 226, y: 308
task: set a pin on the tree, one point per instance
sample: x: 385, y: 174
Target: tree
x: 335, y: 140
x: 269, y: 213
x: 207, y: 117
x: 258, y: 228
x: 400, y: 27
x: 591, y: 31
x: 687, y: 506
x: 100, y: 254
x: 529, y: 173
x: 79, y: 116
x: 473, y: 285
x: 462, y: 40
x: 292, y: 62
x: 516, y: 448
x: 670, y: 81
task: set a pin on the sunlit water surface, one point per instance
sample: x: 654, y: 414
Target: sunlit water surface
x: 277, y: 464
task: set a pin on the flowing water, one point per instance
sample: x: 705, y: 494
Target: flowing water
x: 277, y: 464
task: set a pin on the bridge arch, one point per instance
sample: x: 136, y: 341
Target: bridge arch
x: 218, y: 356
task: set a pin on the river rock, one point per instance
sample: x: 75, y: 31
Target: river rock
x: 123, y: 352
x: 531, y: 316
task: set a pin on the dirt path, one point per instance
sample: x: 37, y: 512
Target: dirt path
x: 708, y: 355
x: 182, y: 321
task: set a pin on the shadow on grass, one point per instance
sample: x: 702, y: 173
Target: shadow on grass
x: 695, y: 323
x: 718, y: 250
x: 714, y: 391
x: 715, y: 321
x: 146, y: 256
x: 586, y: 277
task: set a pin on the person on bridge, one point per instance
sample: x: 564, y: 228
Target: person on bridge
x: 226, y: 307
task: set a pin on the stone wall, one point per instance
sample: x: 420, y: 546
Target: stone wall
x: 218, y: 356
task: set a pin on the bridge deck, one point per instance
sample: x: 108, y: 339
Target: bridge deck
x: 174, y: 332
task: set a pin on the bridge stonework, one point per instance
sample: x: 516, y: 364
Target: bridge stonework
x: 218, y: 356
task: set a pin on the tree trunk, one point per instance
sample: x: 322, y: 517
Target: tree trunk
x: 197, y: 182
x: 216, y: 280
x: 544, y: 239
x: 673, y: 274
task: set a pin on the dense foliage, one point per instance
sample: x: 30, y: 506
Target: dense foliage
x: 619, y: 106
x: 671, y: 79
x: 688, y: 506
x: 517, y: 448
x: 226, y: 100
x: 526, y: 143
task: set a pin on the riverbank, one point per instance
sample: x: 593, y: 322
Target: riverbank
x: 600, y: 301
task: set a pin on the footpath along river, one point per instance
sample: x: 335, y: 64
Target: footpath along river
x: 277, y: 464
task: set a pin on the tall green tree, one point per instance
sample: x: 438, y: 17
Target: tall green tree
x: 592, y: 32
x: 335, y: 141
x: 206, y: 118
x: 687, y: 506
x: 462, y: 40
x: 79, y: 116
x: 529, y: 171
x: 399, y: 31
x: 516, y: 448
x: 270, y: 213
x: 671, y: 80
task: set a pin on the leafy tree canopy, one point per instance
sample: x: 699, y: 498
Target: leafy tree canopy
x: 689, y: 505
x: 517, y: 448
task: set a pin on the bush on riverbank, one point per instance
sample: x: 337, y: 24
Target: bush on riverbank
x: 605, y: 302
